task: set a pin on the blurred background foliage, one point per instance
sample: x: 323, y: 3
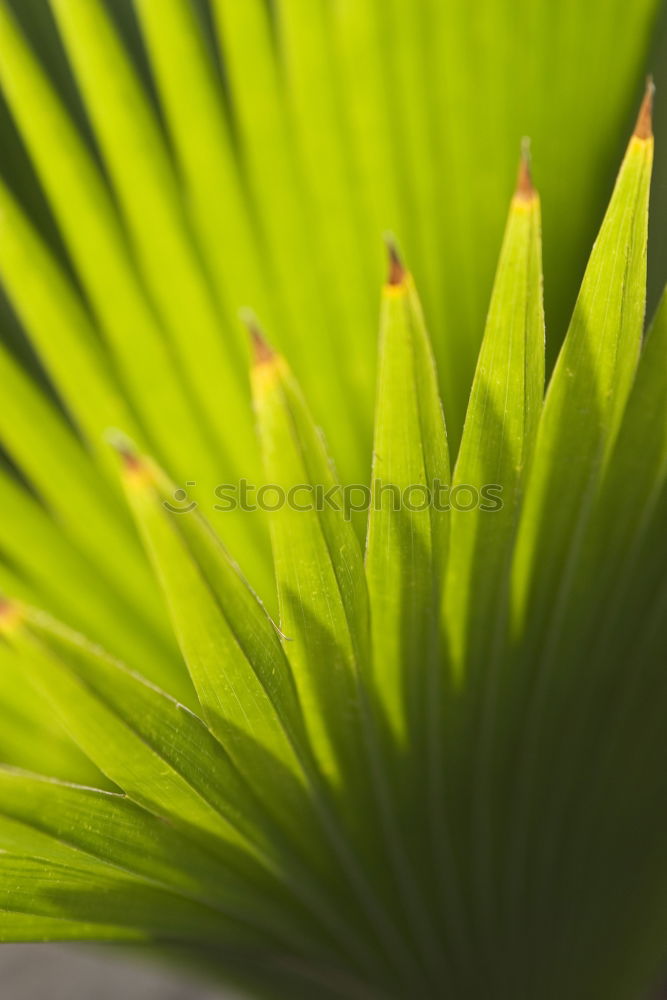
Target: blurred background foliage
x: 565, y: 74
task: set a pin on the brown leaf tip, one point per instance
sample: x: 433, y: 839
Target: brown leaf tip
x: 644, y: 126
x: 125, y: 449
x: 525, y: 189
x: 262, y: 352
x: 396, y: 272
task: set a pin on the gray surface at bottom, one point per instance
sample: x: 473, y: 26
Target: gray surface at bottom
x: 80, y: 972
x: 85, y: 972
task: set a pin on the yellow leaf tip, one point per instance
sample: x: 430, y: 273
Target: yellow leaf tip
x: 134, y: 467
x: 262, y: 352
x: 124, y: 448
x: 10, y: 614
x: 525, y: 189
x: 396, y: 272
x: 644, y: 126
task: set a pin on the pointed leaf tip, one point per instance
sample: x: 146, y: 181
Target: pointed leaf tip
x: 9, y: 614
x: 396, y: 272
x: 262, y: 352
x: 644, y: 126
x: 525, y: 189
x: 135, y: 467
x: 124, y: 448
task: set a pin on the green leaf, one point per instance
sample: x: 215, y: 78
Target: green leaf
x: 95, y: 239
x: 146, y: 185
x: 405, y: 559
x: 231, y: 648
x: 587, y: 392
x: 31, y: 736
x: 38, y: 438
x: 89, y: 829
x: 407, y: 525
x: 79, y: 825
x: 322, y: 144
x: 497, y: 443
x: 634, y: 482
x: 193, y: 103
x: 51, y: 569
x: 60, y: 329
x: 495, y: 452
x: 28, y: 885
x: 162, y: 756
x: 476, y: 816
x: 156, y: 750
x: 26, y: 927
x: 585, y: 401
x: 358, y: 31
x: 318, y: 565
x: 324, y: 617
x: 620, y: 575
x: 283, y: 206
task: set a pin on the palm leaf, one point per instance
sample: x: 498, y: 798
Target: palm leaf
x: 433, y: 769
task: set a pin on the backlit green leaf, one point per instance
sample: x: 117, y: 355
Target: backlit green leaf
x: 319, y: 568
x: 408, y: 523
x: 498, y: 437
